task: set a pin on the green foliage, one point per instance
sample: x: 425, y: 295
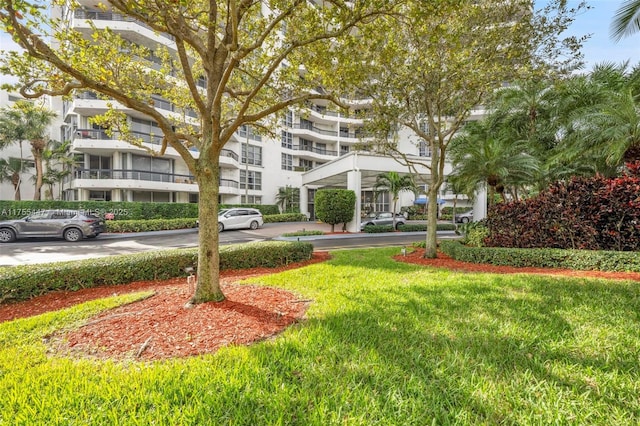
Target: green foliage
x: 25, y: 282
x: 121, y: 210
x: 408, y: 227
x: 285, y: 217
x: 303, y: 233
x: 148, y: 225
x: 383, y: 343
x: 335, y: 206
x: 544, y: 258
x: 474, y: 233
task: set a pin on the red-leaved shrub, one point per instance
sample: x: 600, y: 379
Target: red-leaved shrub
x: 584, y: 213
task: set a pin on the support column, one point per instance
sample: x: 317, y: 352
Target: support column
x: 304, y: 201
x: 480, y: 205
x: 354, y: 183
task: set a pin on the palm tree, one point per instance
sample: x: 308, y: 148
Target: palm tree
x: 58, y: 164
x: 286, y: 197
x: 10, y: 172
x: 482, y: 156
x: 626, y: 21
x: 26, y: 121
x: 394, y: 183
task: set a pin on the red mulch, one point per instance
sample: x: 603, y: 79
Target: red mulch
x: 444, y: 261
x: 160, y: 326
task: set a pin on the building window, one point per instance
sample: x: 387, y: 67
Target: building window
x: 252, y: 155
x: 287, y: 140
x: 253, y: 182
x: 242, y: 132
x: 306, y: 124
x: 100, y: 195
x: 321, y: 148
x: 151, y: 168
x: 424, y: 150
x: 194, y: 197
x: 344, y: 132
x: 287, y: 162
x: 306, y: 145
x: 287, y: 120
x: 251, y: 199
x: 344, y: 149
x: 305, y: 165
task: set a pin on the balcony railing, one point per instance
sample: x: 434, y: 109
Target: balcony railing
x: 110, y: 16
x: 316, y: 150
x: 154, y: 139
x: 159, y: 103
x: 315, y: 129
x: 129, y: 174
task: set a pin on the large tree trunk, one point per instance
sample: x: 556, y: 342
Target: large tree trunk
x: 37, y: 146
x: 431, y: 243
x: 208, y: 286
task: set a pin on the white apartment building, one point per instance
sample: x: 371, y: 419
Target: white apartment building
x: 312, y: 150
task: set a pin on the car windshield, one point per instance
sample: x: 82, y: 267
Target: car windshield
x: 223, y: 211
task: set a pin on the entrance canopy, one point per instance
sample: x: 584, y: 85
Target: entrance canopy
x: 334, y: 173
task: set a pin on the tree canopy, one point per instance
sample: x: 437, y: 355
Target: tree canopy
x: 439, y: 62
x: 219, y: 65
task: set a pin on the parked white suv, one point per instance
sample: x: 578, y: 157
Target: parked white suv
x: 239, y: 218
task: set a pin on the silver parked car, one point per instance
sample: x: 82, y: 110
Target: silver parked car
x: 381, y: 218
x: 238, y: 218
x: 72, y: 225
x: 465, y: 217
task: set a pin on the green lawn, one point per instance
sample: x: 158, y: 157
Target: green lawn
x: 385, y: 344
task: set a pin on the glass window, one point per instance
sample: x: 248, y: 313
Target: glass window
x: 287, y: 162
x: 287, y: 140
x: 253, y: 154
x: 252, y: 180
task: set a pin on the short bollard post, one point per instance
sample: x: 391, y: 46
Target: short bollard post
x: 190, y: 278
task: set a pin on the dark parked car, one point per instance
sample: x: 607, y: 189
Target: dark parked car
x: 381, y: 218
x: 464, y: 217
x: 237, y: 218
x: 72, y: 225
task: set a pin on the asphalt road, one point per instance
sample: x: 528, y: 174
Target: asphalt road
x: 55, y: 250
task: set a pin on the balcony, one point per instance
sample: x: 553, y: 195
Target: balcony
x: 116, y: 17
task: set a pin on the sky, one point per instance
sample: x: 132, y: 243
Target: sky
x: 596, y: 21
x: 601, y: 47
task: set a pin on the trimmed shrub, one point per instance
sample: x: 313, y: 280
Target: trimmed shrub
x: 148, y: 225
x: 285, y: 217
x: 335, y: 206
x: 544, y: 257
x: 408, y: 227
x: 24, y: 282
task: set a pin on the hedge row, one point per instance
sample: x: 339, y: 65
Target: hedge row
x: 24, y: 282
x: 183, y: 223
x: 285, y: 217
x: 583, y: 260
x: 411, y: 227
x: 149, y: 225
x: 121, y: 210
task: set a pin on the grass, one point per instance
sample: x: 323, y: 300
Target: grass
x: 385, y: 343
x: 303, y: 233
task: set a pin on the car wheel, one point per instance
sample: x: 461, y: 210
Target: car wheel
x: 73, y: 235
x: 399, y: 224
x: 7, y: 235
x: 254, y: 225
x: 220, y: 227
x: 465, y: 220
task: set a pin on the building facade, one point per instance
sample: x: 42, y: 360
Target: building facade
x: 312, y: 147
